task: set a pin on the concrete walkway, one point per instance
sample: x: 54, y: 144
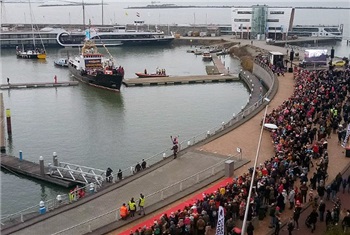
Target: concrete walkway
x: 155, y: 179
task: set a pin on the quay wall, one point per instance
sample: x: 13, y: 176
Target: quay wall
x: 263, y: 75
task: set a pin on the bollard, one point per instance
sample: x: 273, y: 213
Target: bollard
x: 59, y: 199
x: 42, y: 208
x: 92, y: 188
x: 223, y: 125
x: 54, y: 159
x: 164, y: 155
x: 20, y: 155
x: 132, y: 170
x: 42, y: 167
x: 189, y: 143
x: 8, y: 121
x: 233, y: 115
x: 208, y: 133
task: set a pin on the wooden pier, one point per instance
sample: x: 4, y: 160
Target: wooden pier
x: 32, y: 170
x: 37, y: 85
x: 178, y: 80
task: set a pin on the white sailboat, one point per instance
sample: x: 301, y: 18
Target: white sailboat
x: 35, y: 53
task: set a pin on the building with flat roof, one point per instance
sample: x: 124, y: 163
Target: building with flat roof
x: 262, y: 21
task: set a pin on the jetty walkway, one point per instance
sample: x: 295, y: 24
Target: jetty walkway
x: 37, y: 85
x: 221, y: 74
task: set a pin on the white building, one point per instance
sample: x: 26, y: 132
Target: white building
x: 260, y: 21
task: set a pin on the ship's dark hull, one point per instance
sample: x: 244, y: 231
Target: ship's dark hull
x: 111, y: 82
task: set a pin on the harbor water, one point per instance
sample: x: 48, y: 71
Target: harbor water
x: 98, y: 128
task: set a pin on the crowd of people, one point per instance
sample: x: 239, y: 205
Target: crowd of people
x: 294, y: 176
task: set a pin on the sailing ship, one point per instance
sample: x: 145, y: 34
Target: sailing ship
x: 93, y: 68
x: 35, y: 52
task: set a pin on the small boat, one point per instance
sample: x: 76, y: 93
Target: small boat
x: 31, y: 54
x: 153, y: 75
x: 35, y: 52
x: 206, y: 56
x: 62, y: 62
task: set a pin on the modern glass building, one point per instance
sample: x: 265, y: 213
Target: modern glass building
x: 262, y: 21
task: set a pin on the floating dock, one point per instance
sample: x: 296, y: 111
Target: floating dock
x: 178, y: 80
x: 32, y: 170
x: 37, y: 85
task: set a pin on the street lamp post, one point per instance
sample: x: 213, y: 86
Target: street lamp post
x: 244, y: 227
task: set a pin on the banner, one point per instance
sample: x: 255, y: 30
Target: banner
x: 220, y: 226
x: 346, y: 137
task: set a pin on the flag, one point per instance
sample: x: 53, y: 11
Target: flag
x: 87, y: 34
x: 137, y: 14
x: 220, y: 226
x: 346, y: 137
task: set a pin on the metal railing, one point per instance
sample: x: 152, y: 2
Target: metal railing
x: 53, y: 203
x: 50, y: 204
x: 113, y: 215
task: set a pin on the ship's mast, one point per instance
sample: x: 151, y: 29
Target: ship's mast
x: 102, y: 12
x: 83, y: 14
x: 31, y: 22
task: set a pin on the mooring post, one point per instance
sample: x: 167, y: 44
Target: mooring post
x: 8, y: 121
x: 20, y: 155
x: 55, y: 159
x: 42, y: 167
x: 42, y: 208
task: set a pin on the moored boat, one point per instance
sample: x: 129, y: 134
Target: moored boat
x: 31, y: 54
x: 35, y: 52
x: 62, y: 62
x: 206, y: 56
x: 147, y: 75
x: 92, y: 68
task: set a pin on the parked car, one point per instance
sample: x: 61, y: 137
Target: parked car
x: 339, y: 63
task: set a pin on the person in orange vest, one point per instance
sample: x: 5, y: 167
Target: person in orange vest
x: 123, y: 212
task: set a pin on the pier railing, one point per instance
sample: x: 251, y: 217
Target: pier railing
x: 73, y: 196
x: 153, y: 198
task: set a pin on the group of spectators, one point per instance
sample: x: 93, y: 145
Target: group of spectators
x: 295, y: 175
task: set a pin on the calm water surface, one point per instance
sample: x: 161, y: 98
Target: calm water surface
x: 98, y: 128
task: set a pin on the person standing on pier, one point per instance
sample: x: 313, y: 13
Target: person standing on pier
x: 8, y: 80
x: 132, y: 207
x: 123, y: 212
x: 175, y: 147
x: 143, y: 164
x: 120, y: 174
x: 109, y: 176
x: 142, y: 204
x: 137, y: 167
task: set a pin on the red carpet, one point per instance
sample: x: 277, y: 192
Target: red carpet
x: 180, y: 206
